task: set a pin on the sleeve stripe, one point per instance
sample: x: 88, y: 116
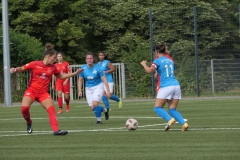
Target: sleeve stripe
x: 154, y: 65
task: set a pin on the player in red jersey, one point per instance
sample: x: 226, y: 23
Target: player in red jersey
x: 62, y: 85
x: 41, y: 75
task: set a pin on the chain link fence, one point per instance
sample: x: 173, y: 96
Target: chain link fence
x: 204, y: 43
x: 217, y: 76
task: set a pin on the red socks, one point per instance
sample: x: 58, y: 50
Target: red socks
x: 53, y: 118
x: 60, y: 102
x: 26, y: 113
x: 67, y: 101
x: 51, y: 114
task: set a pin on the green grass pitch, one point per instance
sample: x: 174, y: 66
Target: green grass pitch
x: 214, y: 133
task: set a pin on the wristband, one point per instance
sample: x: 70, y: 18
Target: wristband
x: 15, y: 70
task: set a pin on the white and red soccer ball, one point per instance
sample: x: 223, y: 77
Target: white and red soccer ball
x: 131, y: 124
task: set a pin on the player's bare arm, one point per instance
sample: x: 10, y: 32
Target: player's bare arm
x: 147, y: 69
x: 68, y: 75
x: 17, y: 70
x: 53, y: 82
x: 107, y: 86
x: 80, y: 82
x: 111, y: 68
x: 66, y: 81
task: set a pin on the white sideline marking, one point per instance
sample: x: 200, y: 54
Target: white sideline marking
x: 143, y: 127
x: 116, y: 117
x: 108, y: 130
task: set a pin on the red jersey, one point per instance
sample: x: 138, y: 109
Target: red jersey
x: 62, y: 68
x: 168, y: 56
x: 41, y: 75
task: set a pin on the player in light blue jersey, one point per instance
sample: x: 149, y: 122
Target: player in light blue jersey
x: 108, y: 69
x: 95, y: 81
x: 169, y: 88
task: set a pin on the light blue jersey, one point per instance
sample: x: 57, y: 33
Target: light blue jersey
x: 165, y: 69
x: 104, y: 66
x: 92, y: 76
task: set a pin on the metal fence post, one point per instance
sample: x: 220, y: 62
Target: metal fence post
x: 196, y: 49
x: 123, y: 80
x: 212, y: 72
x: 6, y: 55
x: 239, y: 14
x: 151, y: 52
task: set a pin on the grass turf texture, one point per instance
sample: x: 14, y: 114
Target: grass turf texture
x: 214, y: 133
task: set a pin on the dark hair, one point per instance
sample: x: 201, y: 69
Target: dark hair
x: 161, y: 48
x: 91, y: 54
x: 60, y: 53
x: 49, y: 50
x: 105, y: 56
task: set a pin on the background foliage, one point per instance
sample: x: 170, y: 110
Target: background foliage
x: 121, y: 29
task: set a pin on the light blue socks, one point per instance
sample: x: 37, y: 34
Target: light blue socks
x: 98, y: 111
x: 176, y: 115
x: 115, y: 98
x: 105, y: 101
x: 162, y: 113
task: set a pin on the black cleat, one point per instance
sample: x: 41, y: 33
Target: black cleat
x: 107, y: 114
x: 60, y: 133
x: 29, y: 127
x: 99, y: 122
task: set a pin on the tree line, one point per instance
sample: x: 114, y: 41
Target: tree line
x: 121, y: 29
x: 115, y: 26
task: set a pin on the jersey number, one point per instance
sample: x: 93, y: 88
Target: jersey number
x: 169, y: 70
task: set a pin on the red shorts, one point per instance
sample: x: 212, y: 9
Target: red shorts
x: 60, y: 87
x: 38, y: 96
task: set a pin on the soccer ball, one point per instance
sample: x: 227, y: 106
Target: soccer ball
x: 132, y: 124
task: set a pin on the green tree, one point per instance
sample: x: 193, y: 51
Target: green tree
x: 85, y: 25
x: 76, y: 27
x: 50, y: 21
x: 113, y: 19
x: 134, y: 50
x: 23, y: 49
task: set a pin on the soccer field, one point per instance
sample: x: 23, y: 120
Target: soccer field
x: 214, y: 133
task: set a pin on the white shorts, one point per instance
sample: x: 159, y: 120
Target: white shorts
x: 94, y: 93
x: 171, y: 92
x: 110, y: 84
